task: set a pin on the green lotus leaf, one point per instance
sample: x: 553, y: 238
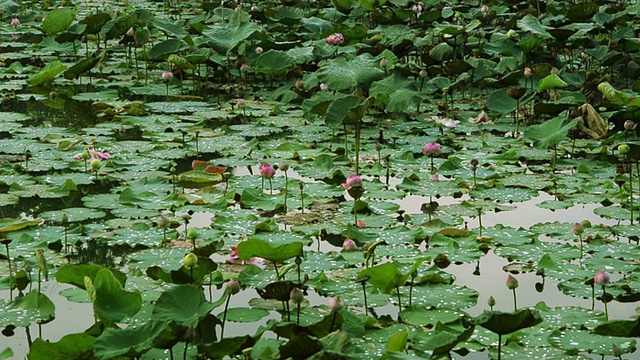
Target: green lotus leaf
x: 47, y: 74
x: 81, y: 67
x: 578, y: 341
x: 549, y: 133
x: 552, y: 81
x: 112, y: 303
x: 224, y: 38
x: 58, y: 20
x: 268, y: 251
x: 72, y: 346
x: 444, y: 337
x: 7, y: 353
x: 503, y: 323
x: 183, y: 304
x: 119, y: 26
x: 130, y: 342
x: 32, y: 307
x: 619, y: 328
x: 387, y: 277
x: 245, y: 315
x: 532, y: 24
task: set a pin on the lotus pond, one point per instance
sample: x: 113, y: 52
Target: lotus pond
x: 325, y: 180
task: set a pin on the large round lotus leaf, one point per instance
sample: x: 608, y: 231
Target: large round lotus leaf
x: 272, y: 252
x: 420, y: 316
x: 112, y: 302
x: 441, y: 295
x: 568, y: 316
x: 443, y: 338
x: 503, y: 323
x: 129, y: 342
x: 72, y: 346
x: 184, y: 304
x: 581, y: 341
x: 32, y: 307
x: 241, y: 314
x: 73, y: 214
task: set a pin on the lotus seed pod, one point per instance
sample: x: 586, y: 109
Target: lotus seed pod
x: 623, y: 149
x: 96, y: 164
x: 192, y: 234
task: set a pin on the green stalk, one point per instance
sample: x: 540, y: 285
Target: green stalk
x: 515, y: 301
x: 224, y: 317
x: 286, y: 189
x: 604, y: 300
x: 364, y: 292
x: 399, y: 300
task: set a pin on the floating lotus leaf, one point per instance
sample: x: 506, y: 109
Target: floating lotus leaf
x: 580, y: 341
x: 132, y: 341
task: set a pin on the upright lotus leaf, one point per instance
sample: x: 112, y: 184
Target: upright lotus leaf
x: 501, y: 103
x: 81, y: 67
x: 344, y: 6
x: 75, y: 274
x: 47, y: 74
x: 164, y: 48
x: 224, y: 38
x: 532, y: 24
x: 346, y: 111
x: 372, y: 5
x: 119, y: 26
x: 7, y: 353
x: 273, y: 62
x: 303, y: 346
x: 550, y: 132
x: 443, y: 337
x: 229, y: 346
x: 268, y: 251
x: 503, y: 323
x: 130, y: 342
x: 95, y: 22
x: 183, y: 304
x: 112, y: 303
x: 398, y: 341
x: 183, y: 275
x: 58, y: 20
x: 386, y: 277
x: 551, y: 81
x: 615, y: 96
x: 280, y: 290
x: 72, y: 346
x: 359, y: 72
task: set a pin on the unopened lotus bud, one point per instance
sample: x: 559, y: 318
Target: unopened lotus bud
x: 383, y: 63
x: 578, y: 228
x: 53, y: 96
x: 163, y: 223
x: 238, y: 9
x: 623, y: 149
x: 349, y: 245
x: 192, y: 234
x: 244, y: 67
x: 335, y: 304
x: 629, y: 125
x: 299, y: 84
x: 484, y: 9
x: 240, y: 102
x: 96, y: 164
x: 512, y: 283
x: 283, y: 166
x: 167, y: 75
x: 511, y: 33
x: 190, y: 261
x: 233, y: 286
x: 423, y: 73
x: 601, y: 278
x: 324, y: 87
x: 528, y: 72
x: 254, y: 8
x: 130, y: 32
x: 259, y: 50
x: 84, y: 155
x: 491, y: 302
x: 64, y: 219
x: 296, y: 296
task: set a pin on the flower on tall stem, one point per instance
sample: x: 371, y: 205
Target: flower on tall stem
x: 432, y: 149
x: 334, y: 39
x: 349, y: 245
x: 335, y: 304
x: 284, y: 167
x: 512, y: 284
x: 578, y: 229
x: 267, y: 171
x: 15, y: 22
x: 354, y: 187
x: 232, y: 287
x: 602, y: 279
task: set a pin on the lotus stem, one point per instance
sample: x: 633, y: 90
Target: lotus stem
x: 6, y: 241
x: 515, y: 301
x: 333, y: 321
x: 270, y: 187
x: 224, y: 317
x: 410, y: 292
x: 581, y: 250
x: 346, y: 152
x: 358, y: 147
x: 298, y: 317
x: 286, y: 190
x: 355, y: 212
x: 364, y: 292
x: 604, y: 300
x: 630, y: 188
x: 433, y: 169
x: 399, y: 300
x: 593, y: 297
x: 186, y: 347
x: 500, y: 346
x: 302, y: 196
x: 275, y: 265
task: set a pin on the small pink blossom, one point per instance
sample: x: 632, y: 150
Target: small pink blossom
x: 335, y: 304
x: 601, y: 278
x: 578, y: 228
x: 233, y: 257
x: 352, y: 180
x: 15, y: 22
x: 335, y: 39
x: 93, y: 155
x: 444, y: 122
x: 167, y: 75
x: 432, y: 148
x: 267, y: 171
x: 528, y: 72
x: 512, y: 283
x: 417, y: 8
x: 484, y: 9
x: 360, y: 224
x: 349, y: 245
x: 480, y: 119
x: 435, y: 177
x: 240, y: 102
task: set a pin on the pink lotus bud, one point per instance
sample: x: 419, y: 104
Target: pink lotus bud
x: 15, y: 22
x: 267, y: 171
x: 335, y: 304
x: 528, y: 72
x: 349, y: 245
x: 335, y: 39
x: 417, y: 8
x: 130, y: 32
x: 167, y: 75
x: 163, y: 223
x: 432, y: 149
x: 283, y: 166
x: 233, y: 286
x: 484, y: 9
x: 296, y: 296
x: 244, y: 67
x: 360, y: 224
x: 240, y: 102
x: 238, y: 10
x: 578, y: 228
x: 423, y: 73
x: 601, y: 278
x: 352, y: 180
x: 512, y: 283
x: 259, y: 50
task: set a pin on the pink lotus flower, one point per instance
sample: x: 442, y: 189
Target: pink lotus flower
x: 443, y: 122
x: 349, y: 245
x: 335, y: 39
x: 91, y: 155
x: 435, y: 177
x: 267, y: 171
x: 601, y: 278
x: 15, y: 22
x: 432, y: 148
x: 360, y: 224
x: 167, y: 75
x: 233, y: 257
x: 480, y: 119
x: 528, y: 72
x: 484, y: 9
x: 352, y: 180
